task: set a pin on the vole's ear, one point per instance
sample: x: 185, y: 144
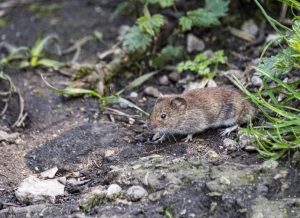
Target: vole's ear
x: 178, y: 103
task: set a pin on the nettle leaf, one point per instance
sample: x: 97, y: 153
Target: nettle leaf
x: 202, y: 63
x: 151, y: 24
x: 280, y: 64
x: 162, y: 3
x: 205, y: 17
x: 135, y: 39
x: 167, y: 54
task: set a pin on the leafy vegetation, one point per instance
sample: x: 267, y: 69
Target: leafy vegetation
x: 279, y: 134
x: 33, y: 57
x: 202, y: 64
x: 204, y: 17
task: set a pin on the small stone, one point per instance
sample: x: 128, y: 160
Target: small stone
x: 262, y: 188
x: 224, y: 180
x: 213, y: 206
x: 34, y: 190
x: 250, y: 27
x: 164, y: 80
x: 256, y: 81
x: 211, y: 83
x: 281, y: 174
x: 49, y: 174
x: 250, y: 148
x: 123, y: 30
x: 109, y: 152
x: 272, y: 36
x: 136, y: 192
x: 194, y: 44
x: 211, y: 154
x: 150, y: 90
x: 183, y: 212
x: 113, y: 191
x: 193, y: 85
x: 269, y: 165
x: 133, y: 94
x: 9, y: 137
x: 174, y: 76
x: 230, y: 144
x: 155, y: 196
x: 245, y: 140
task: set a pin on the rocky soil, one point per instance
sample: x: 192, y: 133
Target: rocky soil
x: 70, y: 160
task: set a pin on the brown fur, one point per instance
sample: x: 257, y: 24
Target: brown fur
x: 200, y: 109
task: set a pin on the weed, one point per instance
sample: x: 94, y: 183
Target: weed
x: 280, y: 133
x: 202, y: 64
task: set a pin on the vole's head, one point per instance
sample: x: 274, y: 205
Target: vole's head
x: 166, y: 113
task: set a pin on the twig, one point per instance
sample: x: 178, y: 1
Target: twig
x: 21, y: 116
x: 77, y: 47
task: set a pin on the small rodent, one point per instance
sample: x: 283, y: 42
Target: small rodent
x: 199, y: 109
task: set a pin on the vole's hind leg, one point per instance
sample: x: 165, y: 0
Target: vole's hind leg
x: 228, y: 130
x: 189, y: 138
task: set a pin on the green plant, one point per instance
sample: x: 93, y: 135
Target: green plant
x: 105, y: 100
x: 33, y: 57
x: 204, y: 17
x: 202, y: 64
x: 280, y: 133
x: 148, y: 27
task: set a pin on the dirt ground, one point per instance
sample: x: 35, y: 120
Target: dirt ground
x: 183, y: 179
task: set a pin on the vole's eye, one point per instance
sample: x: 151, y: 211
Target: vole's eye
x: 163, y: 116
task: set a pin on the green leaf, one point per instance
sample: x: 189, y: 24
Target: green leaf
x: 280, y: 64
x: 135, y: 39
x: 138, y: 81
x: 185, y: 23
x: 204, y: 17
x: 162, y: 3
x: 72, y: 91
x: 294, y: 39
x: 150, y: 24
x: 50, y: 63
x: 202, y: 64
x: 167, y: 54
x: 38, y: 47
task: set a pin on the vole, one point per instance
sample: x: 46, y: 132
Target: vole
x: 199, y: 109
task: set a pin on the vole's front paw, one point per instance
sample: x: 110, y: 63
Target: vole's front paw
x: 158, y: 137
x: 189, y: 138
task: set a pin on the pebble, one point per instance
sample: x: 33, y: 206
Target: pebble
x: 193, y: 85
x: 245, y: 140
x: 49, y: 174
x: 123, y: 30
x: 269, y: 165
x: 250, y: 27
x: 113, y: 191
x: 133, y: 94
x: 194, y: 43
x: 224, y: 180
x: 272, y: 36
x: 256, y: 81
x: 262, y: 188
x: 136, y: 192
x: 164, y: 80
x: 230, y: 144
x: 34, y: 190
x: 9, y: 137
x: 211, y: 83
x: 174, y: 76
x: 150, y: 90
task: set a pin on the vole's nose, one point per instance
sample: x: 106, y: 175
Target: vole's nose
x: 151, y: 125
